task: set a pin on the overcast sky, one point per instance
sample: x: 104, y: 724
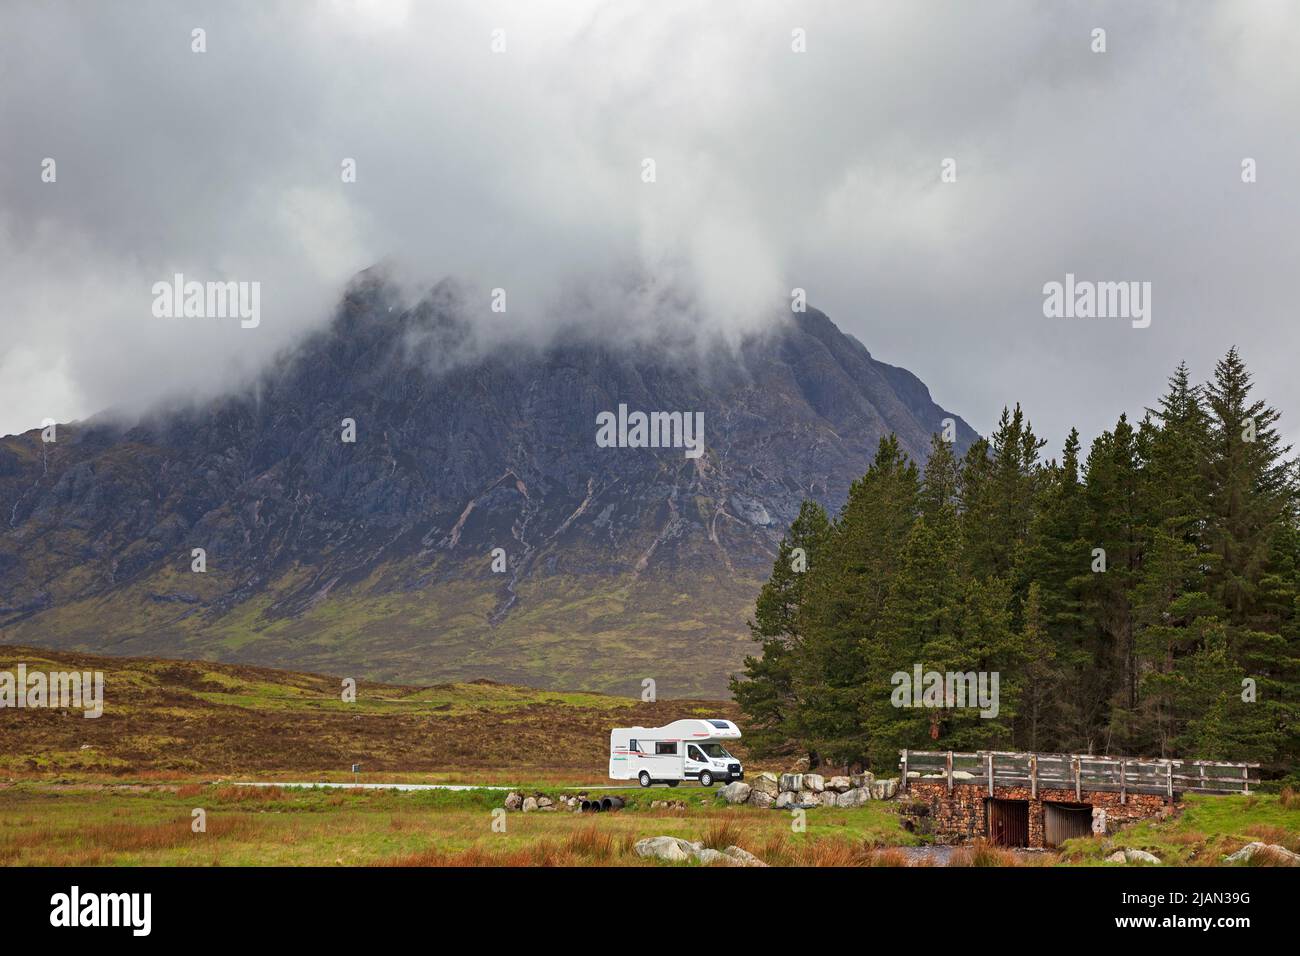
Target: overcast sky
x: 522, y: 169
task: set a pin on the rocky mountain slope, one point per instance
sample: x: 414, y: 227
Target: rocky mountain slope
x: 376, y: 557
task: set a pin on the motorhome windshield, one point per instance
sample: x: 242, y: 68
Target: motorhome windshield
x: 714, y: 750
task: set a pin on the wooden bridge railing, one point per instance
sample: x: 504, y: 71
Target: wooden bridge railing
x: 1077, y: 772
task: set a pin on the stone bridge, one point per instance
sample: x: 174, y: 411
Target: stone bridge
x: 1041, y: 800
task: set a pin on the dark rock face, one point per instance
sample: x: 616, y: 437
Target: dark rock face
x: 376, y: 556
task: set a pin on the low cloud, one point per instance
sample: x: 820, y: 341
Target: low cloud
x: 523, y: 170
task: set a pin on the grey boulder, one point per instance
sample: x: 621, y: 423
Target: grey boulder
x: 1129, y: 855
x: 853, y: 798
x: 1280, y: 853
x: 737, y: 792
x: 766, y: 783
x: 743, y: 857
x: 884, y: 789
x: 666, y: 848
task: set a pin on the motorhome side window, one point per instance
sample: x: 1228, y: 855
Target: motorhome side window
x: 665, y: 748
x: 634, y: 747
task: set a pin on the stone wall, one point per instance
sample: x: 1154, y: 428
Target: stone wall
x: 808, y: 790
x: 959, y: 816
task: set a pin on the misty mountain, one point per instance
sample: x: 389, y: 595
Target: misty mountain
x: 376, y: 557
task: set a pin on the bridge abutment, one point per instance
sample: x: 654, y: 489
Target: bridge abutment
x: 962, y: 815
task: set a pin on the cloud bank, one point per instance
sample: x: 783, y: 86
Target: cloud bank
x: 523, y: 170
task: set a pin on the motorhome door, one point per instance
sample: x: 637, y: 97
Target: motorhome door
x: 695, y: 762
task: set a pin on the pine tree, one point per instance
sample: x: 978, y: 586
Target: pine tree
x: 1171, y: 617
x: 998, y: 485
x: 1176, y: 439
x: 1115, y: 528
x: 1043, y: 685
x: 1058, y: 562
x: 919, y: 612
x: 765, y: 693
x: 981, y: 641
x: 1251, y: 493
x: 1218, y: 724
x: 941, y: 489
x: 1279, y: 684
x: 1145, y: 601
x: 1250, y: 487
x: 847, y: 593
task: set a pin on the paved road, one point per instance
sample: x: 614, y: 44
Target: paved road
x: 416, y: 786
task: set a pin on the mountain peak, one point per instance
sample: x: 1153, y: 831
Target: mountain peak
x: 473, y: 520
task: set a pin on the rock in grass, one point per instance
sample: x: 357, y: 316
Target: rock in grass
x: 1280, y: 853
x: 1129, y: 855
x: 884, y: 789
x: 766, y: 783
x: 737, y: 792
x: 1141, y: 856
x: 666, y: 848
x: 743, y: 857
x: 853, y: 798
x: 676, y: 850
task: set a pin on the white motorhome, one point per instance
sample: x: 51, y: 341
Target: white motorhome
x: 690, y: 749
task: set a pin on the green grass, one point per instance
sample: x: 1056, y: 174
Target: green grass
x: 167, y: 719
x: 1208, y: 829
x: 150, y: 824
x: 270, y: 826
x: 563, y: 632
